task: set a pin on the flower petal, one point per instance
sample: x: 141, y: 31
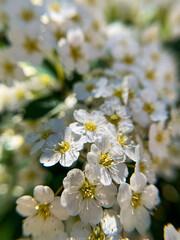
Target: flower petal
x: 26, y: 206
x: 57, y: 210
x: 43, y: 194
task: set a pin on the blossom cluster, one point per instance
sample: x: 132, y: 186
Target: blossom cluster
x: 117, y: 131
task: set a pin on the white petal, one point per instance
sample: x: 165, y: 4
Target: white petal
x: 77, y: 128
x: 105, y: 177
x: 32, y: 225
x: 119, y: 173
x: 37, y: 146
x: 74, y: 179
x: 127, y: 218
x: 57, y: 210
x: 26, y: 206
x: 143, y: 220
x: 93, y: 158
x: 72, y: 202
x: 106, y: 194
x: 90, y: 175
x: 91, y: 211
x: 49, y: 159
x: 81, y: 115
x: 149, y: 197
x: 170, y: 233
x: 32, y: 137
x: 43, y: 194
x: 69, y: 158
x: 138, y: 182
x: 124, y: 195
x: 130, y: 153
x: 94, y: 148
x: 80, y: 230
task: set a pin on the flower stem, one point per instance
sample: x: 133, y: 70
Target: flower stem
x: 59, y: 190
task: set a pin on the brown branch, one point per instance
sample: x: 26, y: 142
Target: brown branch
x: 59, y: 190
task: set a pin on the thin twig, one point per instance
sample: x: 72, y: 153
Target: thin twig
x: 82, y: 157
x: 130, y: 165
x: 59, y: 190
x: 117, y: 185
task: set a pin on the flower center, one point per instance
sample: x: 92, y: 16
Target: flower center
x: 155, y: 160
x: 90, y: 126
x: 114, y: 119
x: 87, y: 190
x: 118, y: 92
x: 142, y: 167
x: 55, y: 7
x: 90, y: 87
x: 122, y: 139
x: 128, y: 59
x: 159, y: 137
x: 30, y: 45
x: 149, y: 108
x: 131, y: 94
x: 155, y: 56
x: 27, y: 15
x: 97, y: 234
x: 43, y: 211
x: 135, y: 202
x: 20, y: 94
x: 150, y: 75
x: 76, y: 18
x: 8, y: 67
x: 45, y: 134
x: 106, y: 160
x: 58, y: 34
x: 168, y: 77
x: 63, y: 147
x: 45, y: 80
x: 174, y: 150
x: 75, y: 53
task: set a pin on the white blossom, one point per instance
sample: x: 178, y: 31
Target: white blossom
x: 62, y: 148
x: 44, y: 213
x: 84, y: 195
x: 89, y: 125
x: 107, y: 161
x: 135, y: 200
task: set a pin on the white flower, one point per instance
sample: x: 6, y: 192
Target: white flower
x: 27, y: 45
x: 126, y: 51
x: 102, y: 89
x: 20, y: 94
x: 148, y: 108
x: 123, y: 141
x: 63, y: 149
x: 107, y: 162
x: 135, y: 200
x: 89, y: 125
x: 84, y: 195
x: 117, y: 115
x: 73, y: 51
x: 31, y: 175
x: 108, y: 229
x: 143, y: 163
x: 170, y: 233
x: 44, y: 213
x: 158, y: 140
x: 83, y: 90
x: 9, y: 69
x: 125, y: 90
x: 40, y: 138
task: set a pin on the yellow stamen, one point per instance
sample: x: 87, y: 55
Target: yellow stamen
x: 90, y: 126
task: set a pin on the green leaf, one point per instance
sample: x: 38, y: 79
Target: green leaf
x: 38, y: 108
